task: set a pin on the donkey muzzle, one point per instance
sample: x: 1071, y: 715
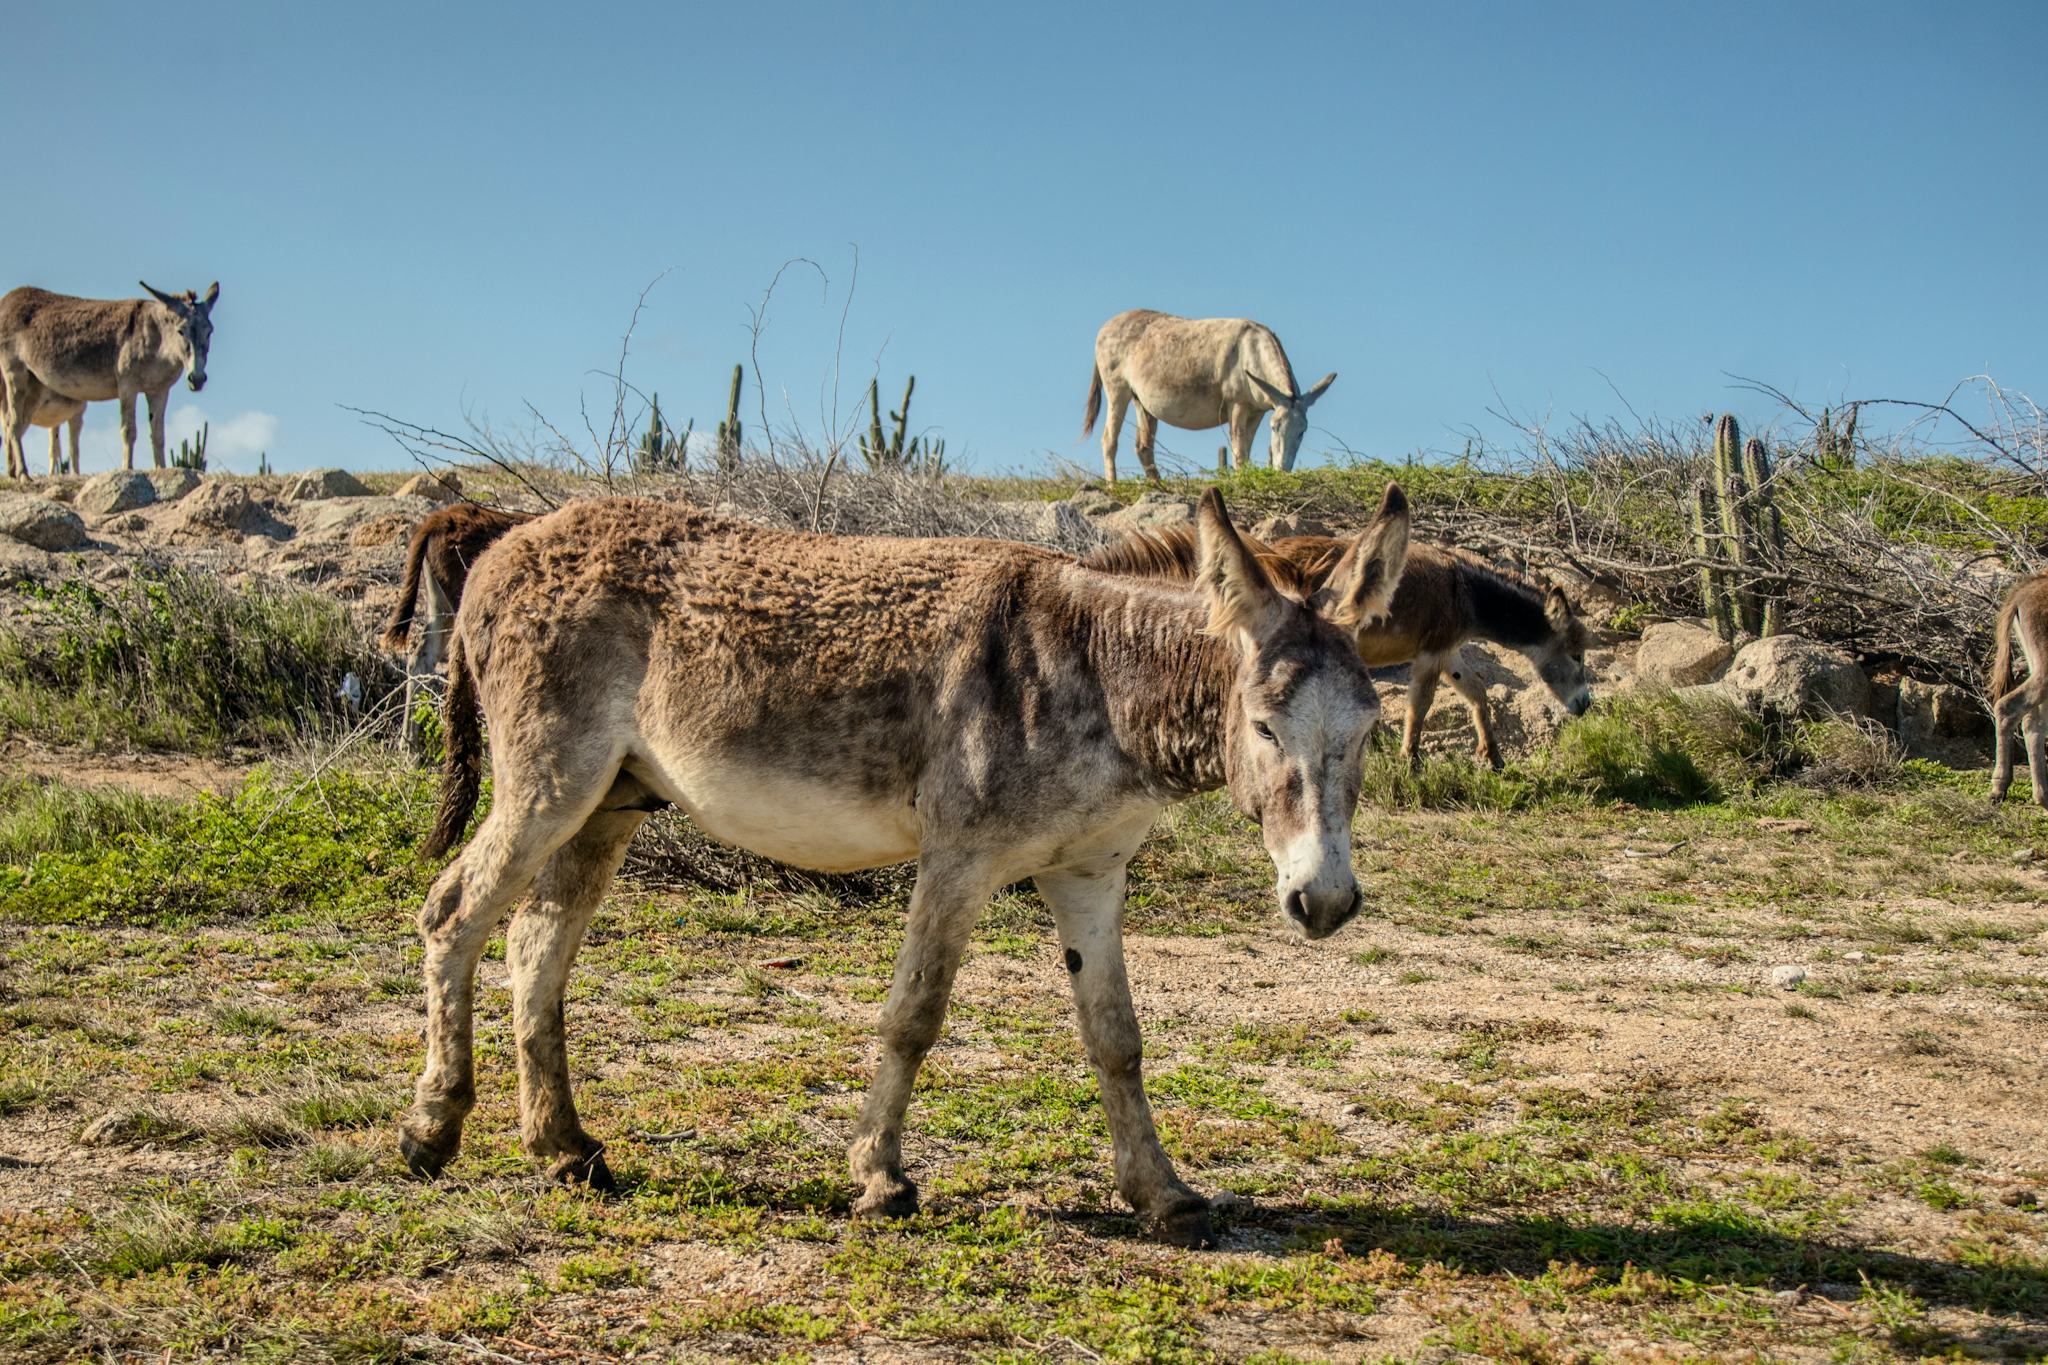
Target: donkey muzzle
x: 195, y: 382
x: 1319, y: 913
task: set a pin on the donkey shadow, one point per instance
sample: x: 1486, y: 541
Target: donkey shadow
x: 1707, y: 1249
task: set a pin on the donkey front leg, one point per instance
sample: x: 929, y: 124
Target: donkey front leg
x: 159, y: 400
x: 1087, y: 905
x: 1244, y: 425
x: 1147, y: 437
x: 943, y: 908
x: 540, y: 947
x: 128, y: 428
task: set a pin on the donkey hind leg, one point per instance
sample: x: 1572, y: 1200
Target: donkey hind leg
x: 539, y: 949
x: 1466, y: 684
x: 529, y: 820
x: 128, y: 428
x: 2006, y: 713
x: 1119, y: 395
x: 2031, y: 729
x: 430, y: 634
x: 1422, y: 679
x: 57, y: 449
x: 944, y: 905
x: 1087, y: 904
x: 1146, y: 436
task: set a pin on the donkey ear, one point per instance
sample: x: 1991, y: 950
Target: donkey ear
x: 1273, y: 395
x: 1557, y: 608
x: 1316, y: 389
x: 1242, y: 598
x: 1361, y: 585
x: 213, y: 292
x: 159, y: 295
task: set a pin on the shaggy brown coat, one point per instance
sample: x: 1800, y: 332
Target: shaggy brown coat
x: 2025, y: 616
x: 994, y: 710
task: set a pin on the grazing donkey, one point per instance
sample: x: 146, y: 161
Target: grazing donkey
x: 2025, y: 614
x: 994, y: 710
x: 444, y: 546
x: 1444, y: 599
x: 1196, y: 373
x: 49, y: 410
x: 92, y: 350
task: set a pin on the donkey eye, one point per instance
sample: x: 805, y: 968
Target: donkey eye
x: 1265, y: 732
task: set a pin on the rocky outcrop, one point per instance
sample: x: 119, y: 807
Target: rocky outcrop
x: 442, y: 487
x: 173, y: 483
x: 216, y: 510
x: 40, y: 522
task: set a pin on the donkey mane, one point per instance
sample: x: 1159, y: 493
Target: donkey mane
x: 1172, y: 554
x: 1508, y: 605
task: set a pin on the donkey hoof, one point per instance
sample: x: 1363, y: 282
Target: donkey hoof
x: 421, y: 1159
x: 887, y: 1199
x: 1185, y: 1225
x: 588, y: 1170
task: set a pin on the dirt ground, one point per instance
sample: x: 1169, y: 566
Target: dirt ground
x: 1543, y: 1102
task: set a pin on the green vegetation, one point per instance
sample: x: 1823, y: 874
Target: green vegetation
x: 180, y: 660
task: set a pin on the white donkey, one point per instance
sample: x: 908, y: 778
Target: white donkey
x: 93, y: 350
x: 1196, y: 373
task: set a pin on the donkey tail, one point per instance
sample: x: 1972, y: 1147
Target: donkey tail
x: 2001, y: 656
x: 462, y: 769
x: 409, y: 592
x: 1094, y: 400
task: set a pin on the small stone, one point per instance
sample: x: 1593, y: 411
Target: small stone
x: 443, y: 487
x: 1229, y: 1203
x: 1856, y: 957
x: 2021, y: 1199
x: 117, y: 490
x: 172, y: 483
x: 1789, y: 1296
x: 1787, y: 977
x: 1353, y: 1110
x: 2023, y: 856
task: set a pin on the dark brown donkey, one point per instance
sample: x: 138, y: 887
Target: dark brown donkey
x: 1445, y: 598
x: 994, y: 710
x: 437, y: 563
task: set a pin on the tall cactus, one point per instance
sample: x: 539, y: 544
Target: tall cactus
x: 1835, y: 451
x: 1738, y: 533
x: 894, y: 447
x: 729, y: 433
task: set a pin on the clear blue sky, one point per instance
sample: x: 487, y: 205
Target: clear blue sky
x: 445, y: 209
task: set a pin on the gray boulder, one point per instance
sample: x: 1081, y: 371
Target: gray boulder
x: 1091, y: 501
x: 1790, y: 675
x: 1932, y: 714
x: 1289, y: 524
x: 117, y: 490
x: 40, y: 522
x: 316, y: 484
x: 220, y: 509
x: 1154, y: 511
x: 1681, y: 654
x: 173, y: 483
x: 360, y: 521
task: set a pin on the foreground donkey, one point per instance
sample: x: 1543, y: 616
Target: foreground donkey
x: 994, y: 710
x: 46, y: 409
x: 92, y: 350
x: 444, y: 546
x: 1445, y: 598
x: 2024, y: 614
x: 1196, y: 373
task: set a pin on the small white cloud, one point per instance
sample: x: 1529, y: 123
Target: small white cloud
x: 231, y: 443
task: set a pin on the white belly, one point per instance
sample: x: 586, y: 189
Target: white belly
x: 800, y: 822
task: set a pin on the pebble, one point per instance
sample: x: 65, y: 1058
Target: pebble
x: 2024, y: 856
x: 1787, y: 976
x: 2022, y: 1199
x: 1856, y: 955
x: 1353, y: 1110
